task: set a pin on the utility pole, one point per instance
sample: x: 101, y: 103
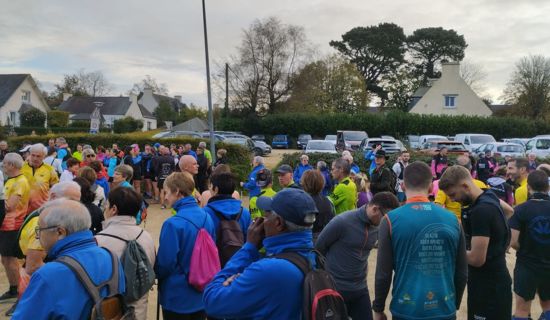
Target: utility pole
x: 226, y: 109
x: 210, y: 111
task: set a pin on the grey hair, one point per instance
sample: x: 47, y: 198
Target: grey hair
x: 86, y: 152
x: 292, y: 227
x: 38, y: 147
x: 61, y: 140
x: 321, y: 165
x: 259, y: 159
x: 60, y: 189
x: 87, y: 146
x: 3, y: 142
x: 14, y: 159
x: 304, y: 156
x: 68, y: 214
x: 342, y: 164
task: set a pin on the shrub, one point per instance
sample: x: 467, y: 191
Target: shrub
x: 58, y: 119
x: 127, y: 124
x: 33, y: 118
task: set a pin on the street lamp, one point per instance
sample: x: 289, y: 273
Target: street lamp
x: 210, y: 111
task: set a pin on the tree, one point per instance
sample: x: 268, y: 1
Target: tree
x: 377, y: 51
x: 431, y: 45
x: 33, y: 118
x: 164, y: 112
x: 58, y: 119
x: 82, y: 83
x: 127, y: 124
x: 401, y: 85
x: 528, y: 90
x: 149, y: 82
x: 328, y: 85
x: 475, y: 76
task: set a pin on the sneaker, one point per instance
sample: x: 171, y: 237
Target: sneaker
x: 11, y: 310
x: 163, y: 207
x: 8, y: 295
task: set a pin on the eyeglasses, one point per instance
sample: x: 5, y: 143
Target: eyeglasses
x: 90, y: 155
x: 38, y: 230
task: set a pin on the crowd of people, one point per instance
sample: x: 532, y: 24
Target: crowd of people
x: 439, y: 228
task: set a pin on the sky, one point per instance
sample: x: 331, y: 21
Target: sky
x: 127, y: 40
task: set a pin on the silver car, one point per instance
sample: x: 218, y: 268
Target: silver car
x: 321, y: 146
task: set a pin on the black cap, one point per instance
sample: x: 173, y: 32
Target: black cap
x: 294, y: 205
x: 380, y: 154
x: 285, y: 168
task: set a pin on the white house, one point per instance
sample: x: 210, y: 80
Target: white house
x: 448, y: 95
x: 152, y: 100
x: 111, y: 109
x: 19, y: 93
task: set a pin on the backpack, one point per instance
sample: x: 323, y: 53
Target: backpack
x: 321, y: 300
x: 229, y: 238
x: 205, y: 262
x: 111, y: 307
x: 394, y: 188
x: 138, y: 271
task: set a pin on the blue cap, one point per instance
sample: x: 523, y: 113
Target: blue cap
x: 156, y: 145
x: 292, y: 204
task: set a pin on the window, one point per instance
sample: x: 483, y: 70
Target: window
x: 148, y: 125
x: 12, y: 119
x: 26, y: 96
x: 450, y: 101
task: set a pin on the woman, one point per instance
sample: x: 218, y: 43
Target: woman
x: 72, y: 169
x: 313, y: 183
x: 87, y: 199
x: 133, y: 158
x: 100, y: 153
x: 52, y: 160
x: 364, y: 195
x: 88, y: 155
x: 120, y: 221
x: 207, y: 194
x: 178, y: 299
x: 90, y: 175
x: 220, y: 157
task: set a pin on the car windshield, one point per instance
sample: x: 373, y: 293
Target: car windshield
x: 304, y: 137
x: 355, y: 135
x: 330, y: 137
x: 510, y: 148
x: 279, y: 138
x: 320, y: 145
x: 436, y: 138
x: 482, y: 139
x: 451, y: 146
x: 385, y: 144
x: 236, y: 141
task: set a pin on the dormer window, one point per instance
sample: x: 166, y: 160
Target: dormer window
x: 450, y: 100
x: 26, y: 96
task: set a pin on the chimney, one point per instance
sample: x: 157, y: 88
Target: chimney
x: 66, y: 96
x: 450, y: 69
x: 148, y: 91
x: 133, y: 97
x: 178, y: 98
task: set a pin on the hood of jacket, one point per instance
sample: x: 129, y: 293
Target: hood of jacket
x: 290, y: 241
x: 225, y: 205
x: 73, y: 242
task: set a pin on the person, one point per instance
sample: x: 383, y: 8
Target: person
x: 500, y: 187
x: 487, y: 239
x: 120, y: 221
x: 423, y: 245
x: 204, y: 167
x: 52, y: 160
x: 111, y: 162
x: 285, y: 177
x: 163, y: 167
x: 16, y: 193
x: 41, y: 176
x: 3, y: 150
x: 146, y: 169
x: 88, y: 155
x: 101, y: 175
x: 133, y: 159
x: 207, y: 154
x: 485, y: 166
x: 207, y: 194
x: 370, y: 156
x: 268, y: 288
x: 99, y: 195
x: 518, y: 170
x: 250, y: 184
x: 313, y: 183
x: 188, y: 163
x: 78, y: 153
x: 344, y: 196
x: 346, y: 243
x: 100, y: 153
x: 221, y: 157
x: 364, y: 195
x: 532, y: 162
x: 381, y: 177
x: 324, y: 170
x: 439, y: 162
x: 188, y: 150
x: 72, y: 169
x: 354, y: 168
x: 63, y: 152
x: 264, y: 180
x: 54, y: 291
x: 399, y: 169
x: 87, y: 198
x: 179, y: 300
x: 529, y: 226
x: 302, y: 167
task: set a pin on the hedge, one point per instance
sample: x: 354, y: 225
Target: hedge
x: 395, y: 123
x: 238, y: 157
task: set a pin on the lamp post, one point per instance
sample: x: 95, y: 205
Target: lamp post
x: 210, y: 111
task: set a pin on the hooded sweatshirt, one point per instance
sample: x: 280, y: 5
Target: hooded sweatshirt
x: 55, y: 292
x: 266, y: 288
x: 299, y: 171
x: 250, y: 184
x: 229, y: 208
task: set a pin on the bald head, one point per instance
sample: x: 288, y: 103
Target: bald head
x: 66, y: 189
x: 189, y: 164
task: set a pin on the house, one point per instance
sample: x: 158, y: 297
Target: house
x: 448, y: 95
x: 19, y: 93
x: 194, y: 124
x: 152, y: 100
x: 111, y: 109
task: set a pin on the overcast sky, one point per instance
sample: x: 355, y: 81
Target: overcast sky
x: 128, y: 39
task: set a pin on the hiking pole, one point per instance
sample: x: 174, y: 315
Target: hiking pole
x: 158, y: 302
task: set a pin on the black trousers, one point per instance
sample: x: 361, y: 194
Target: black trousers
x: 358, y: 304
x: 489, y: 296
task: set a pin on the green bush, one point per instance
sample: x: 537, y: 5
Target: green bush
x: 58, y: 119
x: 395, y: 123
x: 33, y: 118
x: 127, y: 124
x: 80, y: 124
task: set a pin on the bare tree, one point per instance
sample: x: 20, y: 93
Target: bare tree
x: 82, y: 83
x: 474, y: 75
x: 149, y: 82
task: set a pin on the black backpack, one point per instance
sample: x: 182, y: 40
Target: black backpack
x: 320, y: 297
x: 111, y: 307
x: 229, y: 237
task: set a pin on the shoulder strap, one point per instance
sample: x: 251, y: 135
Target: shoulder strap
x: 296, y: 259
x: 117, y: 237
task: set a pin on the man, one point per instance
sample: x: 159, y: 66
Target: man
x: 207, y: 154
x: 16, y: 193
x: 41, y: 176
x: 399, y: 169
x: 250, y: 184
x: 381, y: 178
x: 346, y: 242
x: 63, y: 152
x: 146, y: 169
x: 439, y: 163
x: 285, y: 176
x: 268, y: 288
x: 188, y: 150
x: 78, y: 153
x: 370, y: 156
x: 163, y: 167
x: 423, y: 245
x: 487, y: 239
x: 344, y: 196
x: 485, y: 166
x: 3, y: 150
x: 188, y: 163
x: 264, y: 180
x: 518, y: 170
x: 354, y: 168
x: 530, y: 233
x: 54, y: 291
x: 301, y: 168
x: 202, y: 174
x: 532, y: 162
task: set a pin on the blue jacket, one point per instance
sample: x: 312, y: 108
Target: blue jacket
x: 355, y: 168
x: 369, y: 156
x: 250, y: 184
x: 229, y: 208
x: 102, y: 182
x: 55, y: 292
x: 111, y: 166
x: 328, y: 182
x: 299, y: 171
x: 176, y: 243
x: 266, y: 288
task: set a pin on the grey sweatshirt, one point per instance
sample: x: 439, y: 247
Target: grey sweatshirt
x: 346, y: 243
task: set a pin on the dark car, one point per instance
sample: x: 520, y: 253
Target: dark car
x: 303, y: 139
x: 349, y: 140
x: 281, y: 141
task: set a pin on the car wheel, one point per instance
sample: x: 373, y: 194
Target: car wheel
x: 257, y: 151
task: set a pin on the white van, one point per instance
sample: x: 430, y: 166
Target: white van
x: 473, y: 141
x: 539, y: 145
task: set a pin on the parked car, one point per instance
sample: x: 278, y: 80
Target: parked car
x: 503, y: 149
x: 280, y: 141
x: 539, y: 145
x: 453, y: 147
x: 217, y: 137
x: 388, y: 145
x: 179, y: 134
x: 349, y: 140
x: 302, y: 141
x: 162, y: 134
x: 522, y: 141
x: 258, y: 137
x: 245, y: 142
x: 261, y: 148
x: 414, y: 141
x: 331, y: 137
x: 323, y: 146
x: 428, y: 138
x: 473, y: 141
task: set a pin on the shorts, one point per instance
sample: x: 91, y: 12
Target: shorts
x: 489, y: 295
x: 9, y: 244
x: 529, y: 280
x: 160, y: 183
x: 401, y: 197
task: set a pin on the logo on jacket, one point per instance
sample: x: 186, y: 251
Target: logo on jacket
x: 539, y: 228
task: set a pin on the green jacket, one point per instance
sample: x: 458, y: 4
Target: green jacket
x: 254, y: 211
x: 344, y: 196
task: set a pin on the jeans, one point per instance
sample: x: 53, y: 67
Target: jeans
x: 358, y: 304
